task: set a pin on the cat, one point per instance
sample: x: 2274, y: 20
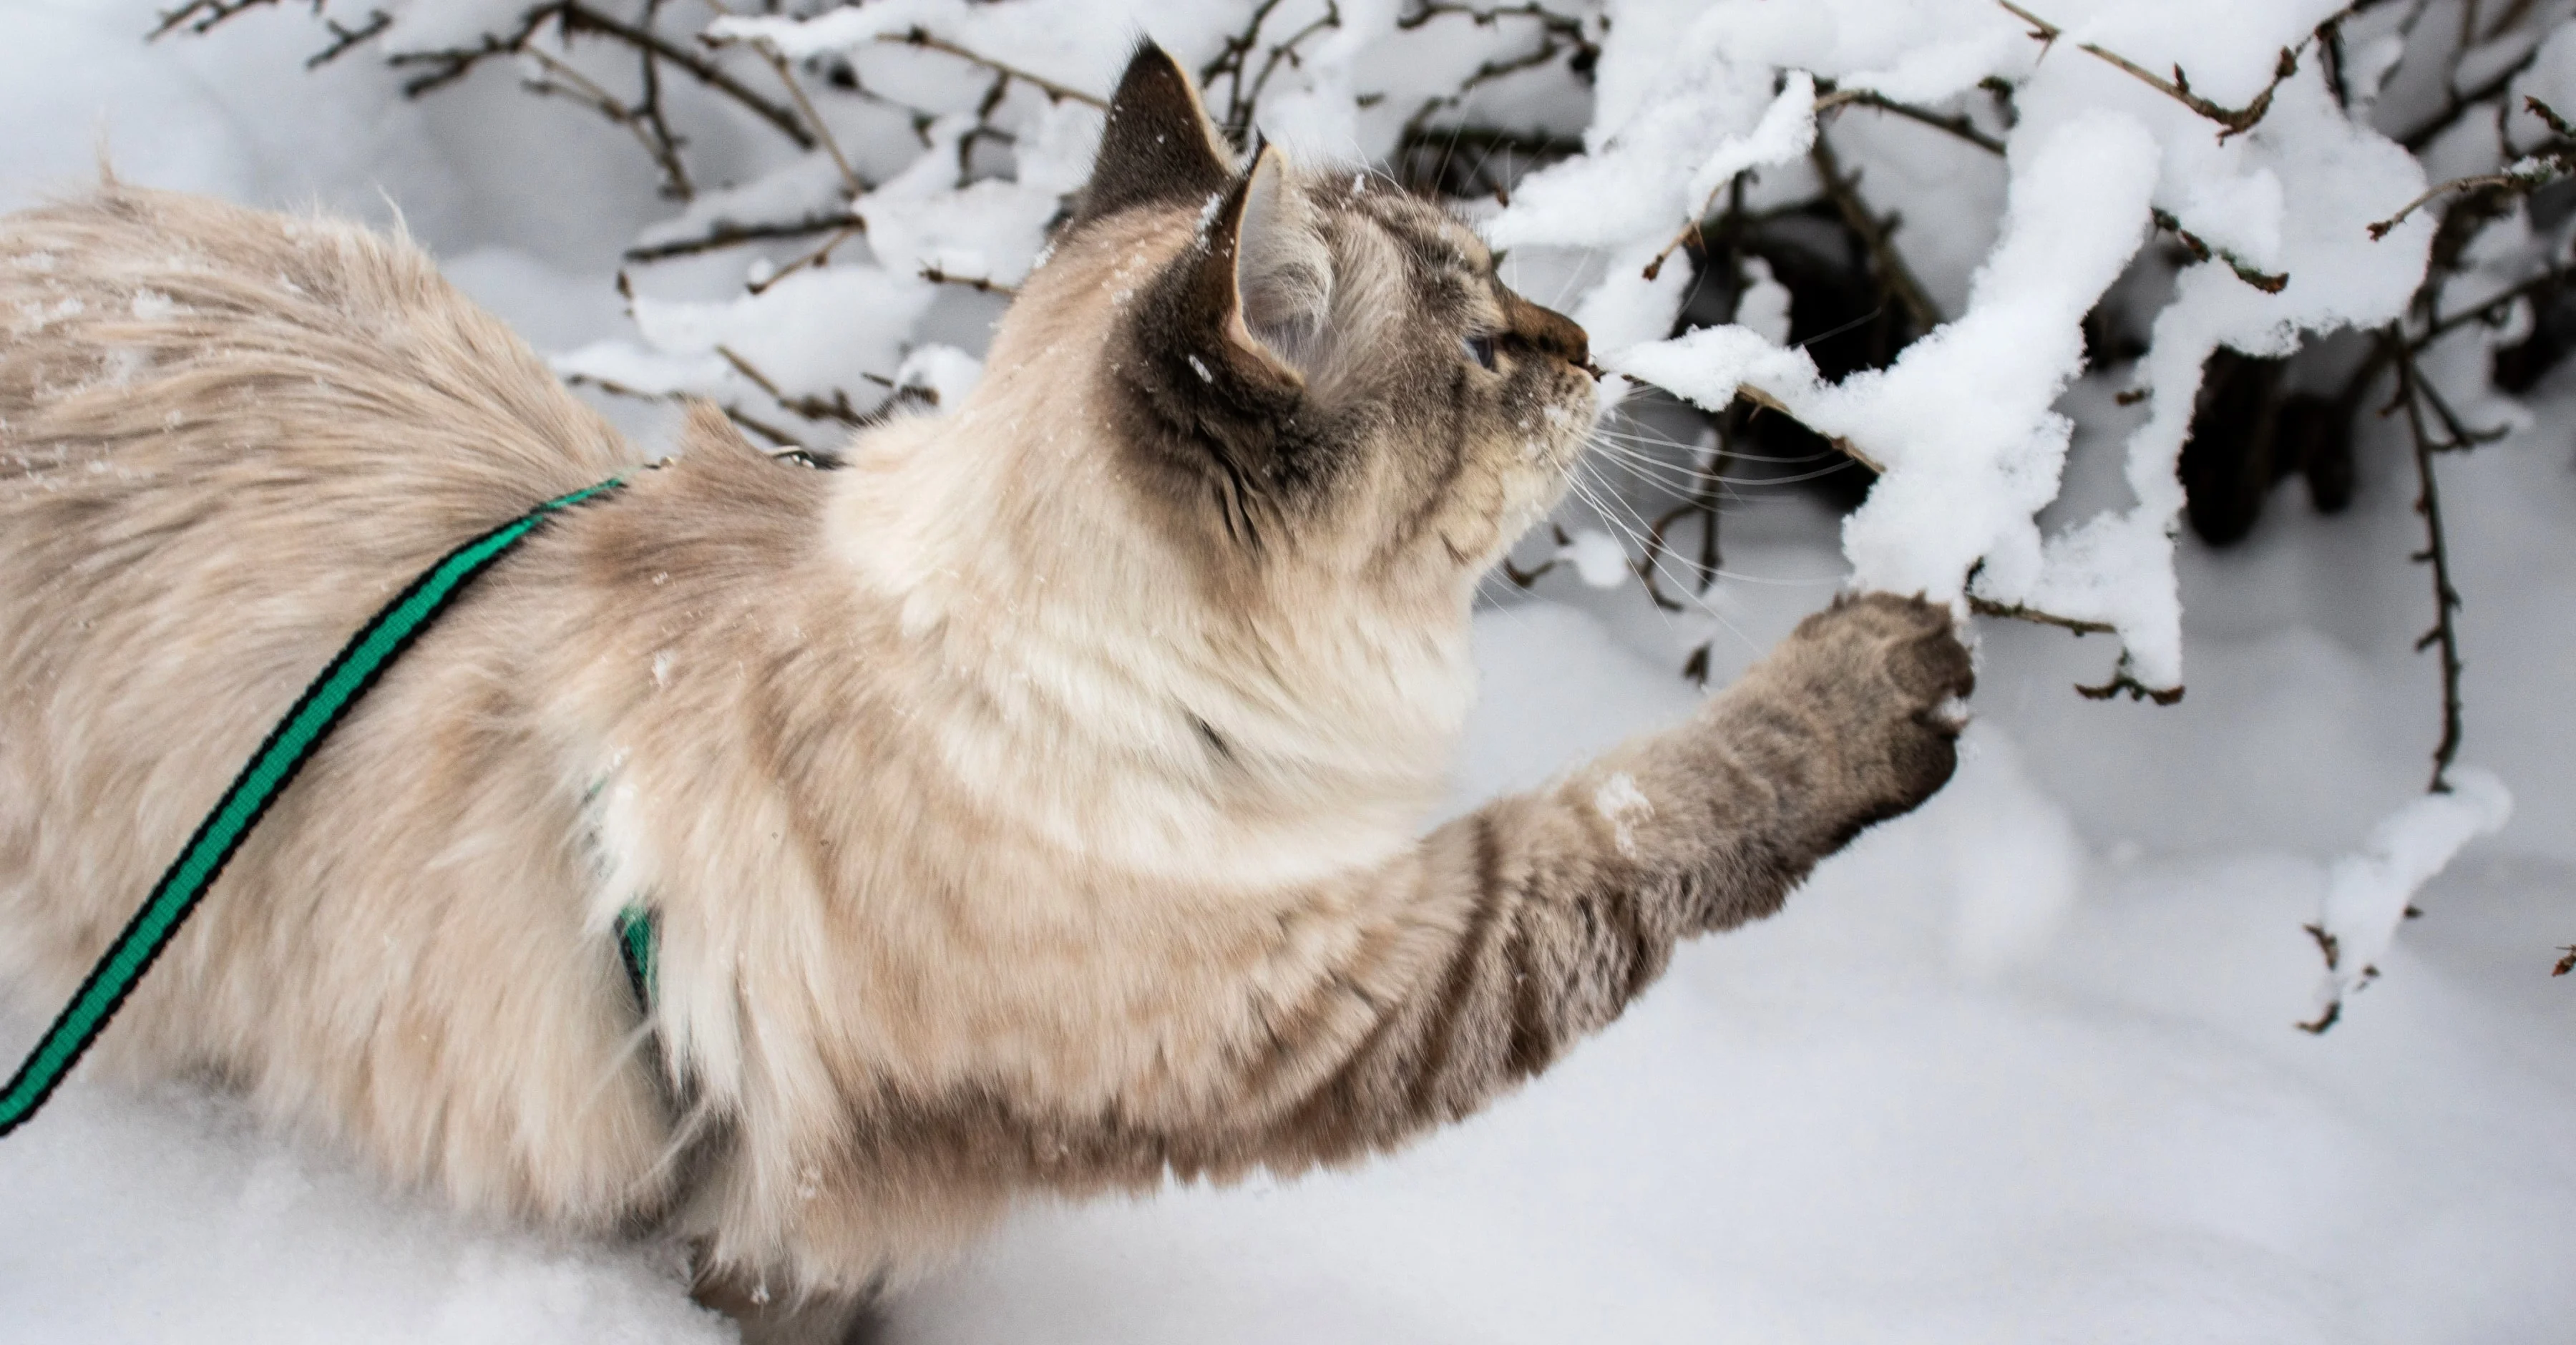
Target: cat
x: 1029, y: 807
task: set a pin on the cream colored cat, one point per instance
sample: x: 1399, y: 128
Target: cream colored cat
x: 1028, y: 807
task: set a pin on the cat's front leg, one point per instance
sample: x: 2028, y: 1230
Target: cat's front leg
x: 1865, y: 695
x: 1514, y: 931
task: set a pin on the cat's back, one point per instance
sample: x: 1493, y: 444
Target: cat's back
x: 227, y: 436
x: 270, y: 369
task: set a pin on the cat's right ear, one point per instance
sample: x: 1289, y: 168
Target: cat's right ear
x: 1159, y: 147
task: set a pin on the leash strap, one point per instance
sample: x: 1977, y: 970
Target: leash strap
x: 635, y: 949
x: 293, y: 742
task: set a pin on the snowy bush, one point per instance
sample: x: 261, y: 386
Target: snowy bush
x: 2183, y: 189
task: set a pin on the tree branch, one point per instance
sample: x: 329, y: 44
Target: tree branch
x: 2270, y: 282
x: 923, y: 38
x: 1958, y: 123
x: 727, y: 234
x: 2437, y: 553
x: 2232, y: 120
x: 1894, y: 276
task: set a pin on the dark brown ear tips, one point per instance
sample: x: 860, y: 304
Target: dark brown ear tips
x: 1159, y: 147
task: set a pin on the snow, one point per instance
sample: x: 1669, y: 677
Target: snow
x: 1963, y: 422
x: 2019, y: 1066
x: 2367, y: 892
x: 1597, y: 556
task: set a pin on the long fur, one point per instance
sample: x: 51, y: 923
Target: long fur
x: 1030, y: 807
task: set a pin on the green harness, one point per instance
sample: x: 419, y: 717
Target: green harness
x: 292, y: 743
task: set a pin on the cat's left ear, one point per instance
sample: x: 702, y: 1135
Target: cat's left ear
x: 1262, y: 284
x: 1158, y: 148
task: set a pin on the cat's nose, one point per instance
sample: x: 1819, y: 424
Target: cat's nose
x: 1549, y: 332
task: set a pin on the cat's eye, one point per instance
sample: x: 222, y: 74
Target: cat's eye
x: 1480, y: 349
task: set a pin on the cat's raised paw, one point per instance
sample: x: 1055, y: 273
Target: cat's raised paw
x: 1892, y: 676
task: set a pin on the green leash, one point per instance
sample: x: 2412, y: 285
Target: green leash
x: 292, y: 743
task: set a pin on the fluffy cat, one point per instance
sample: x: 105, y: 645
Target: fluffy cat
x: 1028, y: 807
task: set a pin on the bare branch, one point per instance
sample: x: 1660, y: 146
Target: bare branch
x: 1228, y: 63
x: 1558, y: 34
x: 923, y: 38
x: 344, y: 38
x: 199, y: 16
x: 727, y: 234
x: 816, y: 257
x: 2462, y: 100
x: 445, y: 66
x: 1243, y: 95
x: 2437, y: 553
x: 1841, y: 445
x: 2123, y: 681
x: 563, y: 81
x: 2019, y: 612
x: 979, y: 284
x: 837, y: 407
x: 2232, y: 120
x: 1877, y: 233
x: 2539, y: 170
x: 850, y: 179
x: 1958, y: 124
x: 2270, y: 282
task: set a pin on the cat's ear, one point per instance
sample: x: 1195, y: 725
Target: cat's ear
x: 1158, y: 148
x: 1262, y: 280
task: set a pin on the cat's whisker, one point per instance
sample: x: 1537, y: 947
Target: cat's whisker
x: 1654, y: 441
x: 1679, y: 481
x: 1624, y: 522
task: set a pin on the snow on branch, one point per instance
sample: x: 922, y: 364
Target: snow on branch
x: 1887, y: 239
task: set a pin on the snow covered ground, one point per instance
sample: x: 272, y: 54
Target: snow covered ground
x: 2020, y: 1066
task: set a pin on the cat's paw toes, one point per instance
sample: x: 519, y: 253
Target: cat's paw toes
x: 1897, y: 677
x: 1910, y: 643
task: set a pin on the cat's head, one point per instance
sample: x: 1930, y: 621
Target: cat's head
x: 1304, y: 367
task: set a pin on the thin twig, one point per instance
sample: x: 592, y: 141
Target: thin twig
x: 2125, y: 682
x: 837, y: 407
x: 979, y: 284
x: 2462, y: 100
x: 563, y: 81
x: 813, y: 257
x: 2494, y: 310
x: 2270, y: 282
x: 2437, y: 553
x: 1841, y: 445
x: 2233, y: 120
x: 2551, y: 163
x: 1524, y: 578
x: 344, y: 38
x: 776, y: 436
x: 1558, y: 34
x: 1243, y: 96
x: 665, y: 142
x: 727, y: 234
x: 446, y: 65
x: 1228, y: 63
x: 1876, y: 233
x: 200, y: 16
x: 1958, y: 124
x: 850, y: 179
x: 2020, y: 612
x: 924, y: 38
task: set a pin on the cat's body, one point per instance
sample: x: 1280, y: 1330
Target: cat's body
x: 1025, y: 807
